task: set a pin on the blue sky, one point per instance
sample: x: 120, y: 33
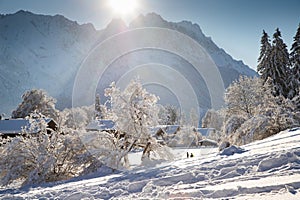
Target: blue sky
x: 234, y: 25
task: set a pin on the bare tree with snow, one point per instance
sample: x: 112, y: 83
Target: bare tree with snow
x: 36, y: 100
x: 243, y: 96
x: 168, y: 115
x: 135, y: 111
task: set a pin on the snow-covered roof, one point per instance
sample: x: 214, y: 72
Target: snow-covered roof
x: 171, y: 129
x: 208, y: 142
x: 101, y: 125
x: 205, y: 131
x: 15, y: 126
x: 168, y: 129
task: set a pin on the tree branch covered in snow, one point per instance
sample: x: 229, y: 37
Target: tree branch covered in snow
x: 135, y: 111
x: 36, y: 100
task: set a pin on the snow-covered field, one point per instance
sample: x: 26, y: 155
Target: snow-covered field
x: 267, y: 169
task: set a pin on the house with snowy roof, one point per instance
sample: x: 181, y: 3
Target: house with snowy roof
x: 101, y: 125
x: 14, y: 127
x: 205, y: 131
x: 163, y: 133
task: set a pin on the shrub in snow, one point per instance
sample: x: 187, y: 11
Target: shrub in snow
x: 44, y: 157
x: 232, y: 124
x: 256, y: 128
x: 270, y: 116
x: 36, y: 101
x: 296, y: 102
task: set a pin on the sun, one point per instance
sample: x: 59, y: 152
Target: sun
x: 123, y: 7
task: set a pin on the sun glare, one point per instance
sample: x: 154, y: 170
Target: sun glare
x: 123, y: 7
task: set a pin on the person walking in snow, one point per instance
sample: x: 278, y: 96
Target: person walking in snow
x: 187, y: 154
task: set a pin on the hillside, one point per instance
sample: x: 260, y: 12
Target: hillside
x: 266, y: 169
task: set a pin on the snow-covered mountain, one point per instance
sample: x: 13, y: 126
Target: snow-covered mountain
x: 40, y: 51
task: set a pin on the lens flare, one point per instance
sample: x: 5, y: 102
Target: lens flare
x: 123, y: 7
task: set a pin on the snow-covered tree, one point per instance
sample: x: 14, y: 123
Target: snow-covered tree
x: 272, y: 119
x: 295, y: 63
x: 243, y: 96
x: 135, y: 111
x: 274, y: 63
x: 36, y: 100
x: 272, y: 115
x: 279, y: 73
x: 76, y: 118
x: 213, y: 119
x: 168, y: 115
x: 264, y: 60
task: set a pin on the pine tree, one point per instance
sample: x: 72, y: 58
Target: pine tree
x: 280, y: 70
x: 295, y: 63
x: 264, y: 62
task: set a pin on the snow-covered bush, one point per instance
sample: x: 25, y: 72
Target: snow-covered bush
x: 265, y: 114
x: 134, y: 110
x: 275, y: 116
x: 44, y: 157
x: 256, y: 128
x: 36, y: 100
x: 232, y: 124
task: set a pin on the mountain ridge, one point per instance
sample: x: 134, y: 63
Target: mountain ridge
x: 43, y: 51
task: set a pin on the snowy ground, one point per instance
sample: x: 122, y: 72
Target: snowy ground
x: 267, y: 169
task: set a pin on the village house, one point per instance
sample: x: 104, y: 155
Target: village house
x: 14, y: 127
x: 101, y: 125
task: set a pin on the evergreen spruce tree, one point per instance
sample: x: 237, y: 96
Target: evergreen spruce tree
x: 280, y: 71
x: 295, y: 63
x: 264, y: 62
